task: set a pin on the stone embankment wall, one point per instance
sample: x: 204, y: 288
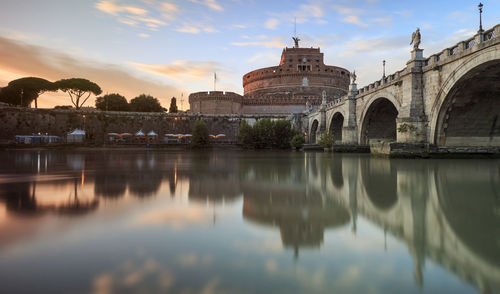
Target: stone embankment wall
x: 97, y: 124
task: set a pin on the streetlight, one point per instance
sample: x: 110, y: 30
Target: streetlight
x: 480, y: 6
x: 383, y: 63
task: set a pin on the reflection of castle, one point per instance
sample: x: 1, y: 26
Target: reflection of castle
x: 301, y: 218
x: 297, y: 81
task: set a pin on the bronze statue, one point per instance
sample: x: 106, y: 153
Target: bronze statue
x: 416, y: 39
x: 296, y: 41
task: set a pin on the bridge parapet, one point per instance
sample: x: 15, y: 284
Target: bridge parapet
x: 467, y: 46
x: 388, y: 80
x: 336, y: 102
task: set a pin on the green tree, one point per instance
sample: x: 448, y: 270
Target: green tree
x: 77, y: 89
x: 326, y: 140
x: 145, y: 103
x: 173, y: 106
x: 31, y: 87
x: 298, y: 141
x: 201, y: 136
x: 263, y: 134
x: 112, y: 102
x: 282, y: 134
x: 245, y: 135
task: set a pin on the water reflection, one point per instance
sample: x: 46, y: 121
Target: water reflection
x: 443, y: 211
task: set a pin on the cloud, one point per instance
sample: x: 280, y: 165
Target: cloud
x: 111, y: 7
x: 212, y: 4
x: 347, y: 10
x: 196, y: 29
x: 355, y: 20
x: 142, y: 35
x: 21, y: 60
x: 272, y: 23
x: 263, y: 41
x: 188, y: 29
x: 303, y: 14
x: 134, y: 16
x: 380, y: 44
x: 170, y: 7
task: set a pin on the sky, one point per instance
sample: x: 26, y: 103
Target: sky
x: 170, y: 48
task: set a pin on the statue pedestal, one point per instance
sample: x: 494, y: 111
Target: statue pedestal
x: 417, y: 58
x: 353, y: 88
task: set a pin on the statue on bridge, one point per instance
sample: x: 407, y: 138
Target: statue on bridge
x: 354, y: 77
x: 416, y: 38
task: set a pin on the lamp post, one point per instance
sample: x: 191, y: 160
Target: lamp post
x: 383, y: 63
x: 480, y: 6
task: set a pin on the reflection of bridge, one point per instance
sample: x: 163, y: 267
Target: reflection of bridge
x: 447, y: 99
x: 430, y: 208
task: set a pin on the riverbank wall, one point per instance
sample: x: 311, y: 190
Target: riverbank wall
x: 97, y: 124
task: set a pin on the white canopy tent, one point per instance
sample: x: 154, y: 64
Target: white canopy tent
x: 77, y: 136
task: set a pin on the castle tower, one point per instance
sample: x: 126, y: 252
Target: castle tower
x: 300, y: 77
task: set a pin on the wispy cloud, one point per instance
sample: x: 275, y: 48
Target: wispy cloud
x: 182, y: 71
x: 263, y: 41
x: 212, y: 4
x: 304, y: 13
x: 272, y: 23
x: 135, y: 16
x: 355, y: 20
x: 196, y: 29
x: 111, y: 7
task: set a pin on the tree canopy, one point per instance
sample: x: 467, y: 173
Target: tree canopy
x: 30, y: 88
x: 77, y: 88
x: 173, y: 106
x: 145, y: 103
x: 112, y: 102
x: 266, y: 134
x: 201, y: 136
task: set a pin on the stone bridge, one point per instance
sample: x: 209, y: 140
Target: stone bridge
x: 449, y: 99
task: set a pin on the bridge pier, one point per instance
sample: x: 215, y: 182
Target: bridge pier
x: 350, y: 129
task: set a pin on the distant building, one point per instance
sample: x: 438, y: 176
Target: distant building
x: 298, y: 80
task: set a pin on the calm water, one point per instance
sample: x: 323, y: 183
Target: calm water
x: 246, y: 222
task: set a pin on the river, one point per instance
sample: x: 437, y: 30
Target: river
x: 227, y: 221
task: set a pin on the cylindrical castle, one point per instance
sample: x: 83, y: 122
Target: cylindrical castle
x: 298, y: 80
x: 301, y: 77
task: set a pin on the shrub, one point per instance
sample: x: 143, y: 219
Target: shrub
x: 201, y: 136
x: 245, y: 135
x: 282, y: 134
x: 298, y: 141
x: 326, y: 140
x: 263, y: 134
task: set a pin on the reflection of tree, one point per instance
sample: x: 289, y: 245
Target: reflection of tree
x: 21, y: 198
x: 143, y: 183
x: 213, y: 177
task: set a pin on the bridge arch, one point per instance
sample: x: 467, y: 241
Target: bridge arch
x: 466, y: 111
x: 378, y: 120
x: 314, y: 130
x: 335, y: 126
